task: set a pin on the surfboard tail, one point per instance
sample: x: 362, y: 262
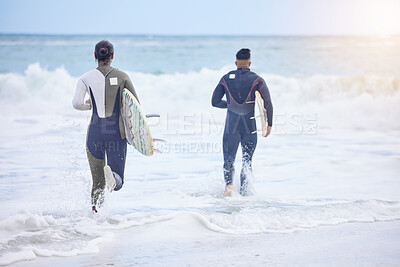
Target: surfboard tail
x: 159, y: 140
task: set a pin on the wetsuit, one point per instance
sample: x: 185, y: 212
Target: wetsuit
x: 239, y: 86
x: 106, y: 134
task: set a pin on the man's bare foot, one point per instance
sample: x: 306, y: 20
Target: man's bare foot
x: 229, y: 190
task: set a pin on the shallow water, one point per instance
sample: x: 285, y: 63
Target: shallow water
x: 332, y: 159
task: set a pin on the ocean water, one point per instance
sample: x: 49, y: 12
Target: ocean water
x: 330, y: 167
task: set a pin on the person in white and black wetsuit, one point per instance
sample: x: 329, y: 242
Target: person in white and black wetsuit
x: 239, y: 87
x: 105, y: 144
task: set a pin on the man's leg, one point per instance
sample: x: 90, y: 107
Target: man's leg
x: 230, y: 146
x: 249, y: 143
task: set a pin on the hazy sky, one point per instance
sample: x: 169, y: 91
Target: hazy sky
x: 201, y: 17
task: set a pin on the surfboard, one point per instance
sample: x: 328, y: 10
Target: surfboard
x: 259, y: 114
x: 137, y: 129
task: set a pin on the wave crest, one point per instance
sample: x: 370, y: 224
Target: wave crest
x: 354, y: 102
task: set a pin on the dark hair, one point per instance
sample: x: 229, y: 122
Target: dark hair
x: 243, y: 53
x: 103, y: 50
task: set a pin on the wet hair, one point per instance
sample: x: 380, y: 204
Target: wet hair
x: 243, y: 53
x: 103, y: 50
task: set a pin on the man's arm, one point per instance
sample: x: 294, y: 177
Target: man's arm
x: 263, y: 89
x: 216, y: 99
x: 78, y: 102
x: 130, y: 87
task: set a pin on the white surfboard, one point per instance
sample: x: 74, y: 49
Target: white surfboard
x: 137, y: 129
x: 259, y: 114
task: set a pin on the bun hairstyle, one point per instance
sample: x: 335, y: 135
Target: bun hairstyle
x: 103, y: 50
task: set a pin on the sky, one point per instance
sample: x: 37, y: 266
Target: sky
x: 201, y: 17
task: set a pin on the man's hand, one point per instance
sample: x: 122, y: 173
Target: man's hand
x: 268, y: 131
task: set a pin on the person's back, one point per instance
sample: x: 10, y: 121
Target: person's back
x: 105, y: 85
x: 106, y: 145
x: 240, y: 86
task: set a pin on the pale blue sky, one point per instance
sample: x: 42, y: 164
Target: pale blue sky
x: 206, y: 17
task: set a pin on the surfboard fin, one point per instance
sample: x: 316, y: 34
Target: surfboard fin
x: 256, y: 131
x: 152, y: 116
x: 159, y: 140
x: 157, y: 151
x: 252, y: 118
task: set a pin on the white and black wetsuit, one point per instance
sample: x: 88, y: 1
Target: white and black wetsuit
x: 239, y: 87
x: 106, y: 134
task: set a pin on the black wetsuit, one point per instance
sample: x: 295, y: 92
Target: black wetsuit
x: 239, y: 86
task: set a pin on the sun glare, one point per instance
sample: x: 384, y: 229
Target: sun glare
x: 384, y: 20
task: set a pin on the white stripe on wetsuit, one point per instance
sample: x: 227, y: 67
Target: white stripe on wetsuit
x: 97, y: 82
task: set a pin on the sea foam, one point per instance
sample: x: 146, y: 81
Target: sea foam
x: 347, y: 102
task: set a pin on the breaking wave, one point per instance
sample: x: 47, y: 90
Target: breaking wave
x: 349, y: 102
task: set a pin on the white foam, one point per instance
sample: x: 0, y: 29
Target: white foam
x: 246, y: 216
x: 353, y: 102
x: 12, y: 257
x: 286, y: 218
x: 35, y: 235
x: 20, y: 223
x: 26, y: 236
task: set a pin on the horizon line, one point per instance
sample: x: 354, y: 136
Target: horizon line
x: 198, y: 35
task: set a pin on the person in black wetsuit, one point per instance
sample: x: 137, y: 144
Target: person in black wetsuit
x: 239, y: 87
